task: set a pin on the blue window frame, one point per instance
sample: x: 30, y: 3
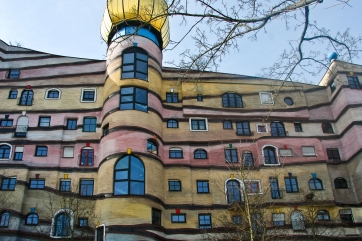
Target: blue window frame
x: 174, y: 185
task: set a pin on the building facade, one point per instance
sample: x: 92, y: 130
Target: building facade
x: 156, y: 157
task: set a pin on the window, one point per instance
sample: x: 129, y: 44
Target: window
x: 243, y: 128
x: 6, y: 123
x: 14, y: 74
x: 232, y: 100
x: 353, y: 82
x: 44, y: 121
x: 332, y: 86
x: 233, y: 192
x: 83, y: 222
x: 202, y: 186
x: 8, y: 183
x: 133, y: 98
x: 285, y: 152
x: 89, y: 124
x: 278, y: 219
x: 346, y: 215
x: 257, y: 223
x: 65, y: 185
x: 32, y: 219
x: 248, y: 159
x: 129, y: 176
x: 262, y: 128
x: 340, y: 183
x: 231, y: 155
x: 175, y: 153
x: 62, y: 224
x: 71, y: 124
x: 89, y: 95
x: 178, y: 218
x: 204, y: 221
x: 4, y: 219
x: 172, y: 97
x: 5, y: 151
x: 323, y: 215
x: 68, y: 151
x: 21, y: 126
x: 36, y: 183
x: 227, y: 125
x: 41, y: 151
x: 174, y: 185
x: 288, y: 101
x: 298, y: 127
x: 327, y: 128
x: 86, y: 187
x: 200, y: 98
x: 13, y: 94
x: 198, y: 124
x: 156, y: 217
x: 87, y: 157
x: 291, y: 184
x: 135, y: 64
x: 315, y: 184
x: 152, y: 147
x: 18, y: 154
x: 308, y: 151
x: 26, y: 97
x: 236, y: 219
x: 105, y: 130
x: 333, y: 155
x: 270, y: 156
x: 274, y: 188
x: 277, y: 128
x: 200, y: 154
x: 100, y: 233
x: 252, y: 187
x: 172, y: 124
x: 297, y: 220
x: 52, y: 94
x: 266, y: 98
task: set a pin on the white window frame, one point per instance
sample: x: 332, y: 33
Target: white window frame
x: 64, y: 152
x: 270, y: 96
x: 199, y: 118
x: 46, y: 94
x: 11, y: 151
x: 276, y: 152
x: 88, y: 101
x: 277, y: 217
x: 285, y: 154
x: 71, y: 215
x: 261, y: 124
x: 241, y: 188
x: 309, y: 153
x: 250, y: 181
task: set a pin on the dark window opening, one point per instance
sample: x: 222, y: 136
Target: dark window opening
x: 172, y: 97
x: 243, y: 128
x: 277, y: 129
x: 274, y: 188
x: 298, y: 127
x: 227, y: 125
x: 174, y: 185
x: 156, y: 217
x: 353, y: 82
x: 340, y: 183
x: 333, y: 155
x: 37, y: 183
x: 232, y: 100
x: 327, y: 128
x: 133, y: 98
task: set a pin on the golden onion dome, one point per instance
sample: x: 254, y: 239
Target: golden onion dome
x: 152, y: 12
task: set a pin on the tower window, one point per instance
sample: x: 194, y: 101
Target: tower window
x: 135, y: 64
x: 133, y: 98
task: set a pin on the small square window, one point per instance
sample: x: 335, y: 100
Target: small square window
x: 172, y: 124
x: 6, y: 123
x: 156, y: 217
x: 262, y: 128
x: 308, y: 151
x: 68, y: 151
x: 231, y: 155
x: 200, y: 98
x: 178, y: 218
x: 18, y: 153
x: 227, y: 125
x: 172, y: 97
x: 83, y: 222
x: 198, y: 124
x: 37, y: 183
x: 8, y: 184
x: 41, y: 151
x: 353, y: 82
x: 204, y: 221
x: 236, y: 219
x: 298, y: 127
x: 65, y: 185
x: 71, y: 124
x: 86, y: 187
x: 252, y: 186
x: 89, y: 124
x: 44, y: 121
x: 88, y: 95
x: 333, y: 155
x: 175, y: 153
x: 13, y: 94
x: 202, y: 186
x: 14, y: 74
x: 266, y: 98
x: 278, y: 219
x: 285, y: 152
x: 174, y: 185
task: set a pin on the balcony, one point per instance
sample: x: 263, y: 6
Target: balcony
x: 20, y: 131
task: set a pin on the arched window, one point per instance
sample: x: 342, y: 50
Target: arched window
x: 52, y: 94
x: 5, y: 151
x: 248, y: 159
x: 232, y: 100
x: 340, y: 183
x: 13, y: 94
x: 233, y: 191
x: 172, y: 123
x: 200, y: 154
x: 129, y: 176
x: 270, y: 156
x: 152, y: 147
x: 26, y: 97
x: 32, y: 219
x: 227, y: 124
x: 135, y: 64
x: 327, y: 128
x: 297, y: 220
x: 62, y: 224
x: 4, y: 219
x: 277, y: 128
x: 315, y: 184
x: 323, y: 215
x: 87, y: 156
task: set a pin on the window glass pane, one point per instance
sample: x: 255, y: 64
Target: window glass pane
x: 126, y: 75
x: 121, y: 188
x: 142, y: 56
x: 141, y: 96
x: 128, y: 58
x: 127, y: 98
x: 127, y: 106
x: 137, y: 169
x: 121, y: 175
x: 141, y: 66
x: 137, y: 188
x: 127, y: 90
x: 141, y: 76
x: 123, y: 163
x: 141, y: 107
x: 128, y: 68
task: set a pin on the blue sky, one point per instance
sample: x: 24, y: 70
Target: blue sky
x: 72, y: 28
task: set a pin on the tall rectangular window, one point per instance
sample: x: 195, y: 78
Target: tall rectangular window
x: 204, y: 221
x: 71, y: 124
x: 243, y: 128
x: 86, y: 187
x: 18, y: 153
x: 135, y: 64
x: 291, y: 184
x: 202, y: 186
x: 156, y: 216
x: 172, y: 97
x: 333, y: 155
x: 231, y: 155
x: 8, y: 183
x: 274, y: 188
x: 133, y: 98
x: 89, y: 124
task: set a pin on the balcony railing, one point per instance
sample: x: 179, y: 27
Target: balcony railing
x: 20, y: 131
